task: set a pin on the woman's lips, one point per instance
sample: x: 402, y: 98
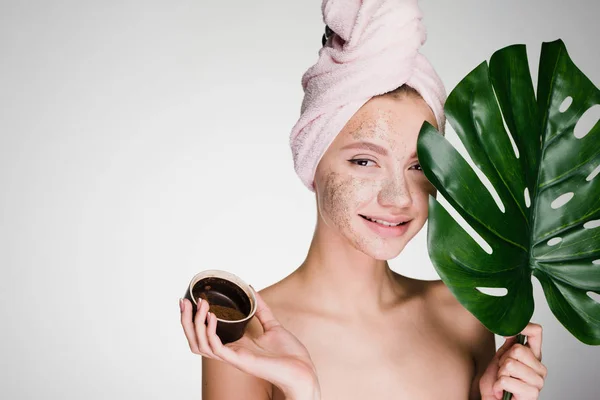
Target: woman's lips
x: 386, y: 231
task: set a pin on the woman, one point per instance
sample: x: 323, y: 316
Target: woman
x: 343, y: 325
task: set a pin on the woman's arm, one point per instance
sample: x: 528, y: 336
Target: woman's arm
x: 221, y: 381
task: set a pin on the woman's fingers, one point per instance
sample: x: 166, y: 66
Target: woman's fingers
x: 509, y: 341
x: 195, y: 329
x: 217, y: 348
x: 521, y: 371
x: 200, y: 327
x: 519, y: 389
x: 534, y: 339
x: 525, y: 355
x: 188, y: 325
x: 516, y: 369
x: 200, y: 332
x: 264, y: 313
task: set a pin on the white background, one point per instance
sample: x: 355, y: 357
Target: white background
x: 142, y: 142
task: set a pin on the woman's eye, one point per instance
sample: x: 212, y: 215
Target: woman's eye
x: 417, y: 167
x: 363, y: 162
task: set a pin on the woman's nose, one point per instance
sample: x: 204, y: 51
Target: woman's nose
x: 395, y: 193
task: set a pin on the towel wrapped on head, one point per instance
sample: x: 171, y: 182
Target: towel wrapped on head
x: 374, y: 49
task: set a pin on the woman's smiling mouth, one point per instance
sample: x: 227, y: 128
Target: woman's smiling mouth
x: 386, y: 222
x: 388, y: 227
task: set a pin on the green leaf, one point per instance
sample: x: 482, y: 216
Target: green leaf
x: 552, y: 161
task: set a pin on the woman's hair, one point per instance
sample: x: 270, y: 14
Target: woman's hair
x: 404, y: 90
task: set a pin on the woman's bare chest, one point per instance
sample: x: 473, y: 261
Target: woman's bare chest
x: 406, y: 360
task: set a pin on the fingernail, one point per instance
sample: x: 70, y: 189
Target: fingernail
x: 181, y: 305
x: 199, y: 301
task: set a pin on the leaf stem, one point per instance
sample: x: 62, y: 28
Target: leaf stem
x: 520, y: 340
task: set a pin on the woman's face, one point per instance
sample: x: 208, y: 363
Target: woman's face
x: 369, y: 185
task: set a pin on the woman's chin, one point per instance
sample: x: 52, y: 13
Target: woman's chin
x: 383, y: 251
x: 384, y: 243
x: 388, y: 254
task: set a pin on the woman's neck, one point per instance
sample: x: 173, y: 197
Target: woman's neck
x: 336, y: 274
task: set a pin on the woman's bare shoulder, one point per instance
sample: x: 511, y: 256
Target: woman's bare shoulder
x: 275, y: 294
x: 453, y: 315
x: 280, y: 296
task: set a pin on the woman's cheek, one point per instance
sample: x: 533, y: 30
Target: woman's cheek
x: 425, y: 185
x: 344, y: 195
x: 421, y: 195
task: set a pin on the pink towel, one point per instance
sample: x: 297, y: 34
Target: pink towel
x: 375, y: 49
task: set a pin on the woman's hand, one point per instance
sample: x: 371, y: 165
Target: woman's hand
x: 276, y: 355
x: 516, y: 368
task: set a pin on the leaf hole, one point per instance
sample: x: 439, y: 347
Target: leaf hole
x: 492, y: 291
x: 562, y: 200
x: 512, y: 141
x: 564, y: 106
x: 508, y: 133
x: 592, y: 224
x: 527, y: 198
x: 485, y: 246
x: 594, y: 296
x: 460, y: 147
x: 486, y: 182
x: 594, y: 173
x: 587, y: 121
x: 554, y: 241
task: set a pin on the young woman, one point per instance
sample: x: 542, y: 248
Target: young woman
x: 344, y: 325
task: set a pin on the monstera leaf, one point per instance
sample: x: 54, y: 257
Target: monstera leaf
x: 546, y: 223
